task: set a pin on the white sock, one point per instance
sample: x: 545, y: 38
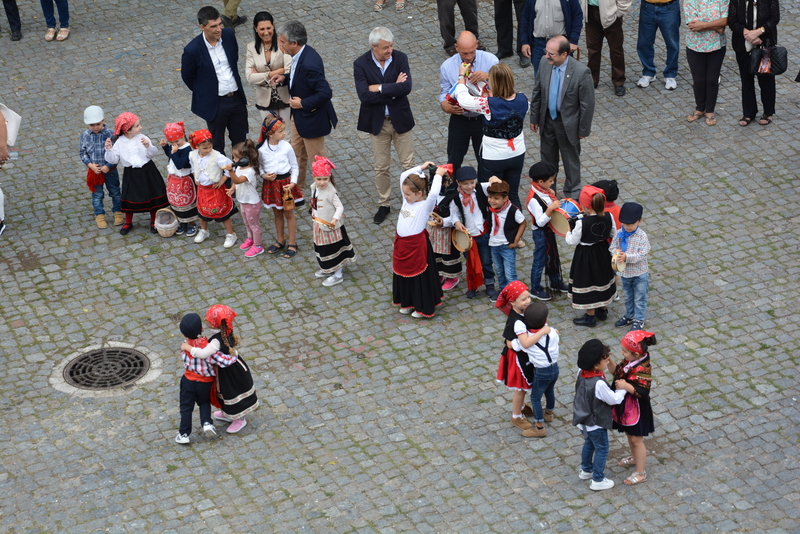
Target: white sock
x: 515, y: 416
x: 338, y: 273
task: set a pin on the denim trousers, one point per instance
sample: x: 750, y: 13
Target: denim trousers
x: 544, y: 382
x: 636, y: 289
x: 539, y: 261
x: 192, y: 393
x: 666, y: 18
x: 505, y: 264
x: 49, y: 13
x: 595, y: 443
x: 112, y: 184
x: 537, y: 52
x: 485, y: 252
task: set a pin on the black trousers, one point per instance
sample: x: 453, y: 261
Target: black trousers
x: 705, y: 67
x: 447, y: 18
x: 509, y: 170
x: 194, y: 393
x: 504, y: 24
x: 765, y: 81
x: 461, y: 131
x: 12, y: 13
x: 231, y: 116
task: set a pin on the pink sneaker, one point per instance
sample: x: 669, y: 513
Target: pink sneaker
x: 254, y: 251
x: 221, y: 416
x: 247, y: 244
x: 449, y: 284
x: 237, y: 425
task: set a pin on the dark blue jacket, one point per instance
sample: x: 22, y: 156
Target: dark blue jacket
x: 573, y: 21
x: 394, y: 95
x: 309, y: 84
x: 199, y: 75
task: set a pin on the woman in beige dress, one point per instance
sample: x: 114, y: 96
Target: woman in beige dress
x: 265, y: 60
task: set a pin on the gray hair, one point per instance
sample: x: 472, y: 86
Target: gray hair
x: 380, y: 34
x: 295, y: 32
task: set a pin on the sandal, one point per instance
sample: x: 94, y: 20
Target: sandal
x: 289, y: 252
x: 764, y: 120
x: 744, y: 121
x: 695, y: 116
x: 63, y: 33
x: 636, y: 478
x: 400, y: 6
x: 50, y: 35
x: 711, y: 120
x: 627, y: 462
x: 379, y: 7
x: 275, y: 247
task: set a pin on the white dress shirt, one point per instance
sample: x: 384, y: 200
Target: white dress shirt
x: 130, y: 152
x: 225, y: 79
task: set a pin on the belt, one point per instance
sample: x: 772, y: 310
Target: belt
x: 479, y: 117
x: 232, y: 93
x: 661, y: 3
x: 388, y: 118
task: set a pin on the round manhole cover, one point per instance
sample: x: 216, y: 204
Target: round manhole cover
x: 106, y: 368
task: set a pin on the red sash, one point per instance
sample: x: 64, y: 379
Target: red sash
x: 410, y: 255
x: 213, y: 203
x: 200, y: 343
x: 93, y: 179
x: 474, y: 264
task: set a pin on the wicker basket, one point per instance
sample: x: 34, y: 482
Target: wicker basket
x: 166, y: 222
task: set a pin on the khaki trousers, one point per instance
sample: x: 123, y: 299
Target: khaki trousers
x: 382, y: 150
x: 231, y: 7
x: 305, y: 150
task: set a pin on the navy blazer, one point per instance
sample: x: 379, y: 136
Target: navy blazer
x: 394, y: 95
x: 573, y: 21
x: 309, y: 84
x: 200, y: 76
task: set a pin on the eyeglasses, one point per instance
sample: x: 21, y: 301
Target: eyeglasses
x: 550, y: 54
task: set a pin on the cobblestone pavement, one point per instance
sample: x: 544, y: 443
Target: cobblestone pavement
x: 372, y: 421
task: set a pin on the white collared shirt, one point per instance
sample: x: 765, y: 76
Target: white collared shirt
x: 225, y: 80
x: 295, y: 59
x: 382, y: 68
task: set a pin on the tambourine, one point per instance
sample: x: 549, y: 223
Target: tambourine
x: 462, y: 240
x: 436, y: 219
x: 617, y: 265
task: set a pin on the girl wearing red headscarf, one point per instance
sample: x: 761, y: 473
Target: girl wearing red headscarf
x: 634, y: 415
x: 181, y: 189
x: 591, y: 277
x: 234, y: 392
x: 143, y: 186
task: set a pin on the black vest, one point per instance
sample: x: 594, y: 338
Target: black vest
x: 452, y: 195
x: 596, y: 228
x: 511, y: 225
x: 587, y: 409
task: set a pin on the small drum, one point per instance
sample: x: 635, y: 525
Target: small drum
x: 618, y: 266
x: 462, y: 240
x: 559, y: 221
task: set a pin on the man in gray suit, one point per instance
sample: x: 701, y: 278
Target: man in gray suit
x: 562, y: 107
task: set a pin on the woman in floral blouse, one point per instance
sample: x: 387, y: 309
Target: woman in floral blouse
x: 705, y: 50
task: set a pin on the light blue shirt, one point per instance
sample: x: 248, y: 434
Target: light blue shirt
x: 562, y: 74
x: 295, y: 59
x: 383, y: 73
x: 448, y: 73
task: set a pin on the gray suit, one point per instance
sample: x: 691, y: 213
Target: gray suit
x: 574, y: 119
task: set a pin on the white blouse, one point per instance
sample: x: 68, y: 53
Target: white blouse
x: 413, y: 218
x: 536, y: 211
x: 130, y: 152
x: 247, y: 192
x: 200, y: 175
x: 278, y: 159
x: 473, y: 221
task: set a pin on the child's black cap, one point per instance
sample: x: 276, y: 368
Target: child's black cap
x: 536, y: 315
x: 590, y: 354
x: 610, y: 188
x: 630, y: 212
x: 541, y: 171
x: 466, y: 173
x: 191, y: 326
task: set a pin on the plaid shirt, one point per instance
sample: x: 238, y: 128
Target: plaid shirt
x: 636, y: 255
x: 93, y: 148
x: 206, y: 367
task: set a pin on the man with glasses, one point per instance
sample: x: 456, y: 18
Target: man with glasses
x: 562, y: 107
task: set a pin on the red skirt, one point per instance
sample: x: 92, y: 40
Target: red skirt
x: 272, y: 192
x: 214, y: 204
x: 509, y: 372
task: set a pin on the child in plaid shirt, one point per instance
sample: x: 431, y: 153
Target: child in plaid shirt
x: 197, y: 380
x: 93, y: 155
x: 631, y: 246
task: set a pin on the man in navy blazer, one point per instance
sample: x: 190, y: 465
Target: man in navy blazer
x: 383, y: 83
x: 208, y: 68
x: 312, y: 111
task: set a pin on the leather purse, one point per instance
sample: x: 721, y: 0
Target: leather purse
x: 771, y: 60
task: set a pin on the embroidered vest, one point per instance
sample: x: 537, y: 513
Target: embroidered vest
x: 508, y: 117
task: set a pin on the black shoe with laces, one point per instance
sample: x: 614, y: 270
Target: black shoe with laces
x: 381, y: 214
x: 585, y: 320
x: 601, y: 314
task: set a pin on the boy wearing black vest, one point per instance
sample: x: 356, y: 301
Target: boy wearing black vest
x: 591, y: 411
x: 508, y: 224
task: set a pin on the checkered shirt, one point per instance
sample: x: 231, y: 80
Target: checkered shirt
x: 93, y: 148
x: 206, y: 367
x: 636, y: 255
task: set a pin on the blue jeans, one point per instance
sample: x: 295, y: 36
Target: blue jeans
x: 595, y: 443
x: 112, y: 184
x: 544, y: 382
x: 636, y: 296
x: 539, y: 262
x: 485, y: 252
x: 537, y: 52
x: 49, y: 12
x: 506, y: 260
x: 666, y: 18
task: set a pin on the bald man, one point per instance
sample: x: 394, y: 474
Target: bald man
x: 465, y: 126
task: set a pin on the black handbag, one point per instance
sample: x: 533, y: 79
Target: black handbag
x: 770, y: 60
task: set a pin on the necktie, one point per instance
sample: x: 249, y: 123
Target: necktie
x: 552, y: 100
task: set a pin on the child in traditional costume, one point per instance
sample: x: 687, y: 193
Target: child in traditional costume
x: 508, y: 225
x: 591, y: 277
x: 143, y: 187
x: 280, y: 172
x: 99, y: 172
x: 635, y: 416
x: 181, y: 189
x: 331, y: 244
x: 631, y: 246
x: 415, y: 284
x: 245, y: 179
x: 443, y: 219
x: 214, y: 199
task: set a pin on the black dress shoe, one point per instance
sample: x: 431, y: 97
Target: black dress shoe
x: 585, y: 320
x: 381, y: 214
x: 619, y: 90
x: 228, y: 23
x: 601, y: 314
x: 153, y: 229
x: 450, y: 50
x: 240, y: 19
x: 481, y: 46
x: 126, y: 228
x: 524, y: 62
x: 504, y: 55
x: 16, y: 35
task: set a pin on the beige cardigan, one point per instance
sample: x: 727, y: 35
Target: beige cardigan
x: 260, y: 78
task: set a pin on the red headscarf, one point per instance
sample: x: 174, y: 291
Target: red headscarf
x: 124, y: 122
x: 174, y: 131
x: 321, y: 166
x: 509, y: 294
x: 199, y: 136
x: 448, y: 167
x: 217, y: 313
x: 633, y: 340
x: 587, y: 193
x: 269, y: 125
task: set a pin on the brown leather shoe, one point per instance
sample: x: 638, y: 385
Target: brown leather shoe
x: 534, y: 432
x: 119, y: 218
x: 527, y: 411
x: 101, y: 221
x: 549, y: 416
x: 521, y: 423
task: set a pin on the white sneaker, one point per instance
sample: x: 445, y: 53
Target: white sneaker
x: 604, y: 485
x: 183, y: 439
x: 670, y: 84
x: 201, y: 236
x: 211, y: 432
x: 230, y: 240
x: 583, y: 475
x: 644, y: 81
x: 418, y: 315
x: 332, y: 281
x: 320, y: 274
